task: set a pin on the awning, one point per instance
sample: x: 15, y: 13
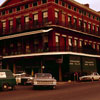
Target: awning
x: 25, y: 34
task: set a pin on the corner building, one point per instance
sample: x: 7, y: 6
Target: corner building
x: 57, y: 36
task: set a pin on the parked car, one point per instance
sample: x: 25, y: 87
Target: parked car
x: 44, y: 80
x: 93, y: 76
x: 7, y: 80
x: 23, y: 78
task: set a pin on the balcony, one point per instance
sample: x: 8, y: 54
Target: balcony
x: 84, y: 49
x: 31, y: 26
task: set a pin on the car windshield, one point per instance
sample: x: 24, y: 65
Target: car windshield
x: 43, y: 75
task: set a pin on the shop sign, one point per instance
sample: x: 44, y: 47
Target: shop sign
x: 74, y: 62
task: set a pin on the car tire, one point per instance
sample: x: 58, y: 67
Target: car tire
x: 5, y: 87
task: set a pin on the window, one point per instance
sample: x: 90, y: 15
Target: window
x: 93, y: 17
x: 4, y: 26
x: 69, y: 21
x: 80, y: 11
x: 44, y: 1
x: 18, y: 23
x: 11, y: 25
x: 75, y: 8
x: 26, y: 22
x: 56, y: 1
x: 84, y: 13
x: 57, y: 42
x: 18, y: 8
x: 26, y: 19
x: 97, y: 28
x: 63, y: 3
x: 45, y: 17
x: 94, y: 46
x: 93, y: 28
x: 56, y: 17
x: 45, y: 42
x: 36, y: 44
x: 26, y: 6
x: 69, y: 6
x: 97, y: 18
x: 34, y: 3
x: 85, y: 26
x: 80, y: 24
x: 10, y: 11
x: 3, y: 12
x: 70, y: 42
x: 89, y: 27
x: 76, y: 42
x: 80, y: 43
x: 89, y: 15
x: 35, y: 17
x: 75, y: 23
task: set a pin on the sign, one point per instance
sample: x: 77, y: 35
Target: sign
x: 2, y: 75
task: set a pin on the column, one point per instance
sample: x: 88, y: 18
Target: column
x: 14, y: 24
x: 60, y: 72
x: 30, y: 20
x: 51, y: 15
x: 7, y: 26
x: 14, y: 68
x: 40, y: 17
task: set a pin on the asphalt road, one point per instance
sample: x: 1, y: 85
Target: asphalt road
x: 64, y: 91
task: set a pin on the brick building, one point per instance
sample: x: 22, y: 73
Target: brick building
x: 57, y: 36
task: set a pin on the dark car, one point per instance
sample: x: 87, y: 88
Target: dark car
x: 7, y: 80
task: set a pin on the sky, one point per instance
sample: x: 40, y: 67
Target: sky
x: 94, y: 4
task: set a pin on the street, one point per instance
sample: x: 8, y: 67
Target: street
x: 63, y: 91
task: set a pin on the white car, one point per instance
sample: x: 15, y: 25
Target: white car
x: 93, y: 76
x: 23, y: 78
x: 44, y: 80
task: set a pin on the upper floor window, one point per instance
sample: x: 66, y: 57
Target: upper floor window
x: 84, y: 13
x: 26, y: 19
x: 44, y: 1
x: 80, y: 22
x: 45, y: 16
x: 35, y: 3
x: 93, y: 27
x: 56, y: 1
x: 75, y: 22
x: 26, y: 6
x: 3, y: 12
x: 70, y: 42
x: 11, y: 25
x: 69, y: 6
x: 69, y: 19
x: 10, y: 11
x: 18, y: 22
x: 35, y: 18
x: 80, y: 11
x: 56, y: 17
x: 4, y: 26
x: 18, y: 8
x: 75, y: 8
x: 89, y: 15
x: 63, y: 3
